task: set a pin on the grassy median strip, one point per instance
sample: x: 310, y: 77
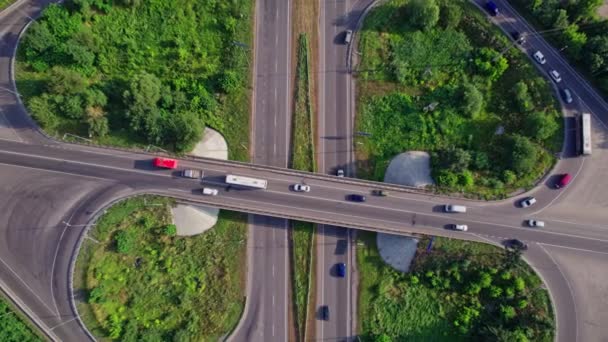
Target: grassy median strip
x: 302, y: 159
x: 138, y: 281
x: 455, y: 291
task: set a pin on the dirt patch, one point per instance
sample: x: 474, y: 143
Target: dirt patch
x: 603, y: 10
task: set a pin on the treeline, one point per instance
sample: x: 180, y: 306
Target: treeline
x: 575, y: 27
x: 147, y: 71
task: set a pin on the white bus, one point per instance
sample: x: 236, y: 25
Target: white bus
x: 586, y: 133
x: 246, y: 181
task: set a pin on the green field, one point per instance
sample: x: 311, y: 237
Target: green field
x: 14, y: 327
x: 142, y: 283
x: 303, y: 158
x: 459, y: 291
x: 5, y: 3
x: 437, y: 76
x: 134, y: 73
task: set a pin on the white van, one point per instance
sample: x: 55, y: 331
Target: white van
x: 452, y: 208
x: 209, y: 192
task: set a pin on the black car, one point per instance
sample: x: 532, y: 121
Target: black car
x: 356, y: 198
x: 518, y: 37
x: 378, y: 192
x: 324, y: 312
x: 515, y: 244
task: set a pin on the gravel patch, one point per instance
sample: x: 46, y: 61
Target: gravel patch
x: 411, y: 168
x: 397, y: 251
x: 189, y: 219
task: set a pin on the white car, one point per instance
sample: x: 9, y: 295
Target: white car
x: 209, y: 192
x: 348, y: 36
x: 555, y: 76
x: 340, y: 173
x: 460, y: 227
x: 535, y: 223
x: 539, y: 57
x: 301, y: 188
x: 528, y: 201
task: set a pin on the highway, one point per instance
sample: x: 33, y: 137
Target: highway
x: 50, y: 189
x: 267, y: 306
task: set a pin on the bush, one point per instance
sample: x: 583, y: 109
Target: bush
x: 170, y: 230
x: 524, y: 155
x: 423, y: 14
x: 125, y: 241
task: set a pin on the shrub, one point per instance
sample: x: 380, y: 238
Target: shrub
x: 170, y: 230
x: 423, y: 14
x: 125, y: 241
x: 509, y: 177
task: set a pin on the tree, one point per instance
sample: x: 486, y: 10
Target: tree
x: 583, y: 10
x: 447, y: 178
x: 509, y: 177
x: 485, y: 280
x: 42, y: 110
x: 596, y: 54
x: 522, y: 96
x: 561, y: 20
x: 507, y: 311
x: 39, y: 38
x: 142, y: 100
x: 466, y: 179
x: 524, y: 155
x: 72, y: 107
x: 472, y: 100
x: 453, y: 159
x: 63, y: 81
x: 481, y: 161
x: 540, y: 126
x: 423, y: 14
x: 490, y: 63
x: 181, y: 130
x: 451, y: 15
x: 125, y: 241
x: 97, y: 122
x: 575, y: 41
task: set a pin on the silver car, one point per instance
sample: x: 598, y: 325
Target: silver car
x: 528, y: 201
x: 555, y: 76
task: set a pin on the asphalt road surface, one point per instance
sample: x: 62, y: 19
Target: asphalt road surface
x: 335, y: 152
x: 82, y: 177
x: 266, y: 312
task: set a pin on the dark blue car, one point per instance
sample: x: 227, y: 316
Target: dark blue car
x: 341, y: 270
x: 492, y: 8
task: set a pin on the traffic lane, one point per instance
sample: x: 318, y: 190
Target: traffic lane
x: 332, y: 289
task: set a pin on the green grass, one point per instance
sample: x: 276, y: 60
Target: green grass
x: 403, y: 70
x: 185, y: 288
x: 302, y: 159
x: 200, y: 62
x: 5, y: 3
x: 303, y: 146
x: 302, y: 236
x: 14, y: 327
x: 425, y: 304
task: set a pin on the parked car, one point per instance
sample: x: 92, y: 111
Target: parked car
x: 209, y: 192
x: 555, y: 76
x: 348, y: 36
x: 341, y: 269
x: 460, y: 227
x: 566, y: 95
x: 539, y: 57
x: 564, y: 180
x: 356, y: 198
x: 528, y: 201
x: 340, y: 173
x: 535, y: 223
x: 165, y: 163
x: 452, y: 208
x: 301, y: 187
x: 515, y: 244
x: 518, y: 37
x: 378, y: 192
x: 492, y: 8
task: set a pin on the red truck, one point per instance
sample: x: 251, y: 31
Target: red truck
x: 165, y: 163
